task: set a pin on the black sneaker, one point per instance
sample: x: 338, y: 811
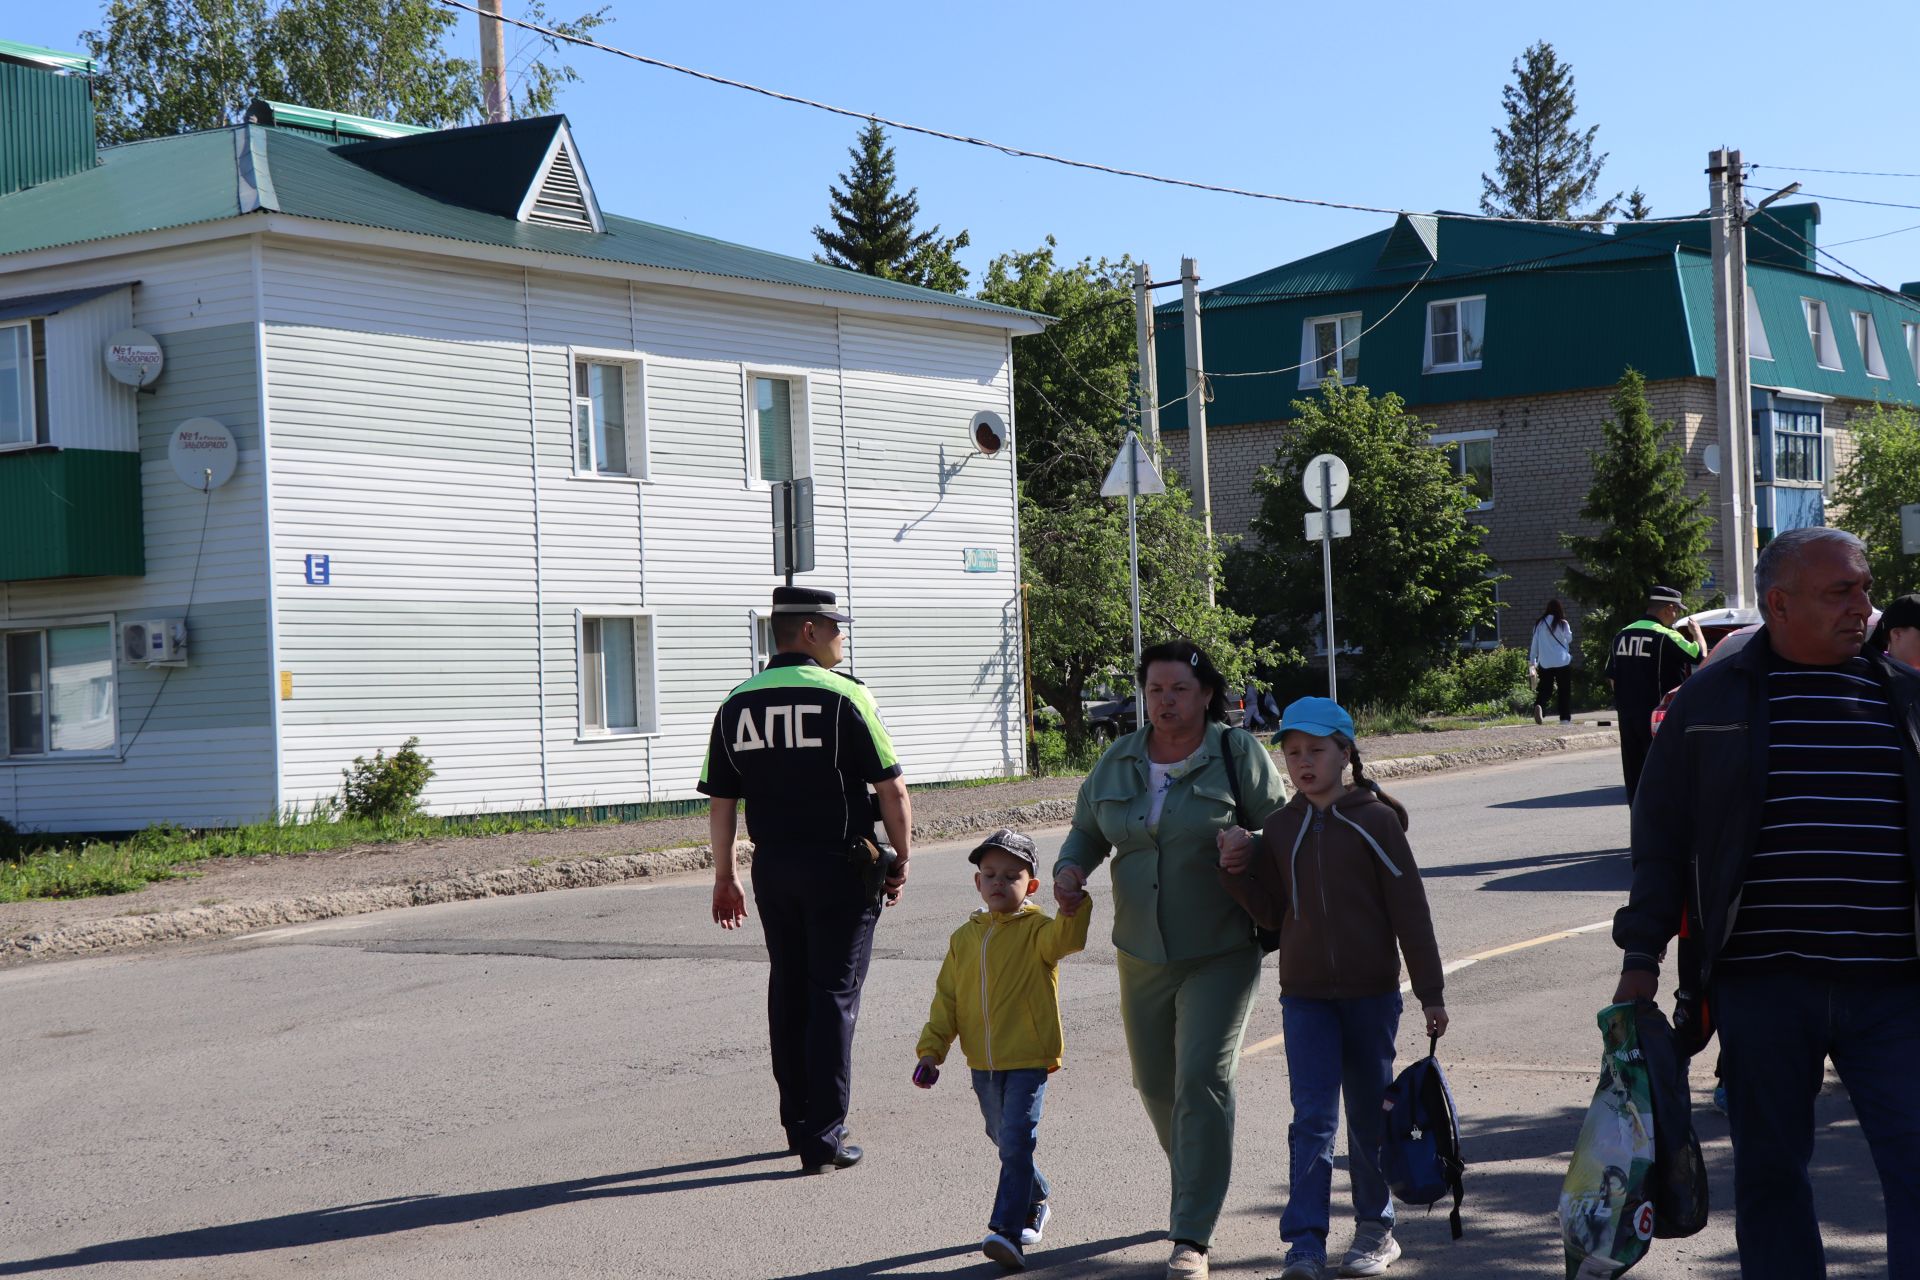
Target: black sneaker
x: 1036, y: 1224
x: 1003, y: 1251
x: 845, y: 1158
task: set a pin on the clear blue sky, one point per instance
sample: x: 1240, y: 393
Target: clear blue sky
x: 1369, y: 102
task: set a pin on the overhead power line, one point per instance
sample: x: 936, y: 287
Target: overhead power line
x: 1008, y: 149
x: 1861, y: 276
x: 1853, y: 173
x: 1882, y: 204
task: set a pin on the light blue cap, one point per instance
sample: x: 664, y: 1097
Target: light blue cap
x: 1321, y: 717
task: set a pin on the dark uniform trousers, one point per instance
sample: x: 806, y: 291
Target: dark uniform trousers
x: 1636, y: 739
x: 818, y: 921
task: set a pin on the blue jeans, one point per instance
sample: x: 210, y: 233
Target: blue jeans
x: 1776, y: 1032
x: 1010, y: 1104
x: 1335, y: 1046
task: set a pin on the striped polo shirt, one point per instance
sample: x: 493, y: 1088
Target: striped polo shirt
x: 1830, y: 888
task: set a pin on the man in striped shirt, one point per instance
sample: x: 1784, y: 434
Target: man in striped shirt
x: 1782, y: 802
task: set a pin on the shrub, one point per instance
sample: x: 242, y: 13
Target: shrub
x: 386, y: 787
x: 1436, y: 692
x: 1495, y: 675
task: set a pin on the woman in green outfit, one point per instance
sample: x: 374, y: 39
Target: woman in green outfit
x: 1163, y: 803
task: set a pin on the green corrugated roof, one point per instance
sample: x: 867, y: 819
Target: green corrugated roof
x: 293, y: 116
x: 1566, y: 310
x: 52, y: 58
x: 204, y: 177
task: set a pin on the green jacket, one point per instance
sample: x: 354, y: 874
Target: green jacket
x: 1168, y: 902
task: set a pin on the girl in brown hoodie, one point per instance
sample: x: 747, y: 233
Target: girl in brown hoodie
x: 1333, y: 873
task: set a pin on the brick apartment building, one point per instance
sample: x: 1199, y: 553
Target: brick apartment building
x: 1507, y: 339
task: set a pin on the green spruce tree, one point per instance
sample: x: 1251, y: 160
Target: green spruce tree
x: 1649, y: 530
x: 1543, y: 166
x: 1638, y: 209
x: 873, y: 224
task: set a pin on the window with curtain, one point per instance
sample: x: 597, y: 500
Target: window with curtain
x: 773, y: 428
x: 1455, y: 333
x: 1797, y: 453
x: 616, y: 675
x: 1331, y: 347
x: 600, y: 417
x: 23, y: 383
x: 60, y: 690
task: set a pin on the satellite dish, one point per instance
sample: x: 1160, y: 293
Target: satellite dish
x: 203, y: 453
x: 134, y: 358
x: 989, y: 432
x: 1711, y: 456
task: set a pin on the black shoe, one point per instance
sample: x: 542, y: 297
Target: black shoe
x: 1003, y: 1251
x: 845, y: 1158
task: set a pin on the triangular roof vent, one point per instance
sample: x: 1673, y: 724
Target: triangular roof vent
x: 560, y: 195
x: 1413, y: 242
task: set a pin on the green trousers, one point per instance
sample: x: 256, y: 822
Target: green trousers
x: 1185, y: 1021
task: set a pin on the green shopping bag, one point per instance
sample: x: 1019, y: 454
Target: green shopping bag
x: 1606, y: 1213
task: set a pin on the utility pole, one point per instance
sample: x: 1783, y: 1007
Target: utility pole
x: 1143, y: 342
x: 493, y: 61
x: 1197, y: 409
x: 1733, y: 397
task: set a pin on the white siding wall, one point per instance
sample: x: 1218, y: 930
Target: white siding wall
x: 93, y: 411
x: 195, y: 746
x: 400, y: 399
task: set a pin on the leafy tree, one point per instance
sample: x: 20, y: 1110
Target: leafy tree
x: 1544, y: 167
x: 173, y: 66
x: 1071, y: 398
x: 1650, y: 531
x: 873, y: 224
x: 1882, y: 477
x: 1637, y: 207
x: 1409, y: 583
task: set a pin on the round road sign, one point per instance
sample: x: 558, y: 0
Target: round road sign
x: 1310, y: 480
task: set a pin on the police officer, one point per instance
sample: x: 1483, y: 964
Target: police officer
x: 802, y: 744
x: 1648, y: 660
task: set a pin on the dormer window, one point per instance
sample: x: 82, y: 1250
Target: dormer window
x: 561, y: 195
x: 1826, y: 352
x: 1330, y: 348
x: 1869, y: 340
x: 1455, y: 331
x: 23, y: 383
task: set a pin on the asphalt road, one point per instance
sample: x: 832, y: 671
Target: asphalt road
x: 573, y: 1084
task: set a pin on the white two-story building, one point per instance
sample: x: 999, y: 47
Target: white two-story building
x: 500, y: 471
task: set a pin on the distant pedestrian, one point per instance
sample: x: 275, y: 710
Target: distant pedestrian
x: 1165, y: 801
x: 998, y: 991
x: 1334, y: 874
x: 1782, y: 804
x: 1550, y: 660
x: 1898, y: 635
x: 1251, y: 718
x: 802, y: 744
x: 1647, y: 660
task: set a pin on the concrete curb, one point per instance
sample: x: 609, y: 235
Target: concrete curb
x: 228, y: 919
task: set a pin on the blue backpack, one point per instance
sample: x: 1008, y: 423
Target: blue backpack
x: 1420, y: 1144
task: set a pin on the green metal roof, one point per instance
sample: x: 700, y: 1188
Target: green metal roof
x: 205, y: 177
x: 486, y: 167
x: 1566, y: 310
x: 52, y: 58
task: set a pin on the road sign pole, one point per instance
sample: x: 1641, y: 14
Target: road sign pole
x: 790, y: 533
x: 1133, y: 541
x: 1326, y: 569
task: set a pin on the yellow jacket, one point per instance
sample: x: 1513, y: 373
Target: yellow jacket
x: 999, y: 988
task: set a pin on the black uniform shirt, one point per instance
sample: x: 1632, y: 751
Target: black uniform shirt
x: 800, y: 744
x: 1648, y: 659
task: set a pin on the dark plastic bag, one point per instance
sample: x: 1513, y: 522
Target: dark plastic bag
x: 1677, y: 1184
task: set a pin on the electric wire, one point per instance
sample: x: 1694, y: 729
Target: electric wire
x: 185, y: 620
x: 1861, y: 276
x: 1007, y: 148
x: 1878, y: 236
x: 1854, y: 173
x: 1353, y: 341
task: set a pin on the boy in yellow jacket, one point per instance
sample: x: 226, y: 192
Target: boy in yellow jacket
x: 999, y: 992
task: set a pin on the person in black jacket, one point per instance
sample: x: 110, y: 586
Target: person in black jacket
x: 1782, y: 796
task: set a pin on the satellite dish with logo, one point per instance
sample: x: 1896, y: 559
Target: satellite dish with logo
x: 134, y: 358
x: 1310, y: 479
x: 203, y: 453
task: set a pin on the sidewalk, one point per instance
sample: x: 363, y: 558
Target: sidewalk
x: 230, y: 896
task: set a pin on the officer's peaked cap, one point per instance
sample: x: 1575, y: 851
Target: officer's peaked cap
x: 811, y: 601
x: 1665, y: 595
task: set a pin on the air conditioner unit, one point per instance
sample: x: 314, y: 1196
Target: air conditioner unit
x: 155, y: 641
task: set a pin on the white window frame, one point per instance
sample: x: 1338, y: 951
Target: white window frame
x: 1346, y: 333
x: 760, y: 645
x: 801, y: 402
x: 1428, y: 364
x: 39, y: 419
x: 1826, y: 350
x: 1912, y: 331
x: 646, y: 675
x: 1867, y: 334
x: 41, y: 626
x: 1469, y: 642
x: 1758, y: 348
x: 633, y: 399
x: 1441, y: 440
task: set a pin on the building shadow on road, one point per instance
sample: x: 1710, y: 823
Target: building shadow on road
x: 1593, y: 871
x: 404, y: 1213
x: 1608, y: 797
x: 1076, y: 1260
